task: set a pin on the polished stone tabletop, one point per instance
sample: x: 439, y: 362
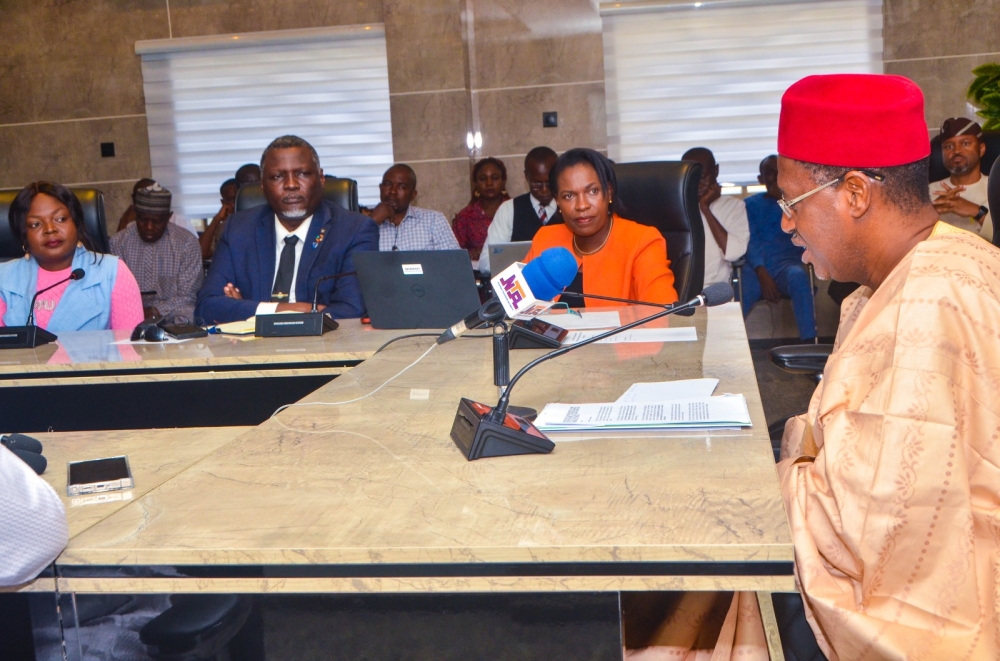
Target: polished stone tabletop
x: 358, y: 487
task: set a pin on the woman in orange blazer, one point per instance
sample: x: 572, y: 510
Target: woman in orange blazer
x: 617, y: 257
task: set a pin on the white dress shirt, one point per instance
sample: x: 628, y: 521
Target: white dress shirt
x: 732, y: 215
x: 280, y: 234
x: 33, y: 528
x: 502, y: 227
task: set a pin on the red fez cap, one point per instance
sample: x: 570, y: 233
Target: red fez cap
x: 853, y: 120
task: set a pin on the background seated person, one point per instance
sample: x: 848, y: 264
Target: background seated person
x: 403, y: 226
x: 48, y: 221
x: 723, y: 216
x: 210, y: 237
x: 129, y: 215
x: 489, y: 191
x: 961, y: 199
x: 518, y: 219
x: 774, y: 264
x: 248, y: 173
x: 165, y: 260
x: 617, y: 257
x: 32, y: 519
x: 270, y: 257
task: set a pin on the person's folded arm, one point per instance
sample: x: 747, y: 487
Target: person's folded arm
x: 33, y: 529
x: 213, y: 306
x: 444, y: 237
x: 737, y: 229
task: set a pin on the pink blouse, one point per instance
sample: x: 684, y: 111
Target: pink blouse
x: 126, y: 303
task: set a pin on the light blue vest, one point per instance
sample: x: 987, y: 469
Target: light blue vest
x: 85, y: 305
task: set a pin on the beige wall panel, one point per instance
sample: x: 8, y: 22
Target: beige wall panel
x: 932, y: 28
x: 429, y: 126
x: 944, y: 82
x: 526, y: 42
x: 443, y: 186
x: 117, y: 198
x: 65, y: 60
x: 70, y: 152
x: 200, y: 17
x: 512, y: 119
x: 424, y: 45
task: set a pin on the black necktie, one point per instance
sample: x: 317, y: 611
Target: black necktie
x: 286, y: 271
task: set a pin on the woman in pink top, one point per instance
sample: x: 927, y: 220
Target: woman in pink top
x: 48, y: 220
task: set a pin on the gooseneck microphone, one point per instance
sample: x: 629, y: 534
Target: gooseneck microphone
x: 77, y: 274
x: 481, y: 432
x: 335, y: 276
x: 546, y: 276
x: 717, y: 294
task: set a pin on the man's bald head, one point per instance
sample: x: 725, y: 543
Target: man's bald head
x: 406, y: 169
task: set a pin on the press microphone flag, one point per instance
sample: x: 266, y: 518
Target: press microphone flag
x: 521, y: 290
x: 527, y: 290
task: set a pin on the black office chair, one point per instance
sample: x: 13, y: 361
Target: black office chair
x: 664, y: 195
x: 343, y: 192
x: 92, y: 201
x: 196, y: 627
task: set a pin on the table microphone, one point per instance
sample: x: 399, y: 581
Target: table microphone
x: 77, y: 274
x: 479, y: 431
x: 335, y: 276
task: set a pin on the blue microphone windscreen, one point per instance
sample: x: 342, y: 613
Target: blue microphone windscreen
x: 550, y: 273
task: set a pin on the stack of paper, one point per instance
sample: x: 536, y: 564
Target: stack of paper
x: 686, y: 334
x: 702, y: 413
x: 246, y: 327
x: 583, y: 320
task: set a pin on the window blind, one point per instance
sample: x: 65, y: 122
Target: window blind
x: 683, y: 76
x: 213, y: 104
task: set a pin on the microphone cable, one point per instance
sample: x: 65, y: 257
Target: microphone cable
x: 404, y: 337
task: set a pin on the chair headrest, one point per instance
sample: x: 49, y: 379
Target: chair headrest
x: 343, y: 192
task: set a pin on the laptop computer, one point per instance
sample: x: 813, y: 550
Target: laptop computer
x: 417, y: 289
x: 503, y: 255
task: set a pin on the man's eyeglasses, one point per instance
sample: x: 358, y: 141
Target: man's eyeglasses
x: 786, y: 205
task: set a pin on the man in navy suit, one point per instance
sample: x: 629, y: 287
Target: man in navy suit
x: 270, y: 257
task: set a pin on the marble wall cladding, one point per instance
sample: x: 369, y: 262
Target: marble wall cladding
x: 944, y: 82
x: 424, y: 45
x: 430, y: 125
x: 70, y: 152
x: 526, y: 42
x: 934, y: 28
x: 117, y: 198
x: 443, y: 185
x: 511, y: 119
x: 64, y: 60
x: 201, y: 17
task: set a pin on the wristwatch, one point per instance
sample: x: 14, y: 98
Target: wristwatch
x: 983, y: 210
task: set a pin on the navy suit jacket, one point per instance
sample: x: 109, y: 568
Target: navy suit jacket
x: 245, y: 257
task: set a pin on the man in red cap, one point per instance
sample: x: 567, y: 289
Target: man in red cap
x: 891, y: 480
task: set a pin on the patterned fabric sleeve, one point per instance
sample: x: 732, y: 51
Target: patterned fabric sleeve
x: 126, y: 302
x: 32, y: 519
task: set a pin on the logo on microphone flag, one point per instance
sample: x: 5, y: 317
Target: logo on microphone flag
x: 515, y: 295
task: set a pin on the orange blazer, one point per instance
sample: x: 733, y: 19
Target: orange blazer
x: 632, y: 264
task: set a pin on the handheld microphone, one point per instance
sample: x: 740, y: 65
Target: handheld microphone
x: 36, y: 462
x: 21, y: 442
x: 335, y: 276
x: 77, y: 274
x: 521, y: 290
x: 481, y: 432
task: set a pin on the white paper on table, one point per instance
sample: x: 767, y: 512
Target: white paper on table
x: 167, y: 340
x: 706, y: 412
x: 584, y: 321
x: 688, y: 334
x: 663, y: 391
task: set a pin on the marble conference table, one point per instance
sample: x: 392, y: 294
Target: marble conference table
x: 371, y: 495
x: 101, y: 383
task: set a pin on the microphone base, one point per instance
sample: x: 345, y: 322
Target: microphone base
x: 297, y: 324
x: 536, y: 334
x: 478, y: 437
x: 24, y: 337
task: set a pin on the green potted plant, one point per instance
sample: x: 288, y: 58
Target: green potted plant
x: 985, y: 94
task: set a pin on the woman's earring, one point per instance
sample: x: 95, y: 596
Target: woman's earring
x: 505, y: 192
x: 475, y: 194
